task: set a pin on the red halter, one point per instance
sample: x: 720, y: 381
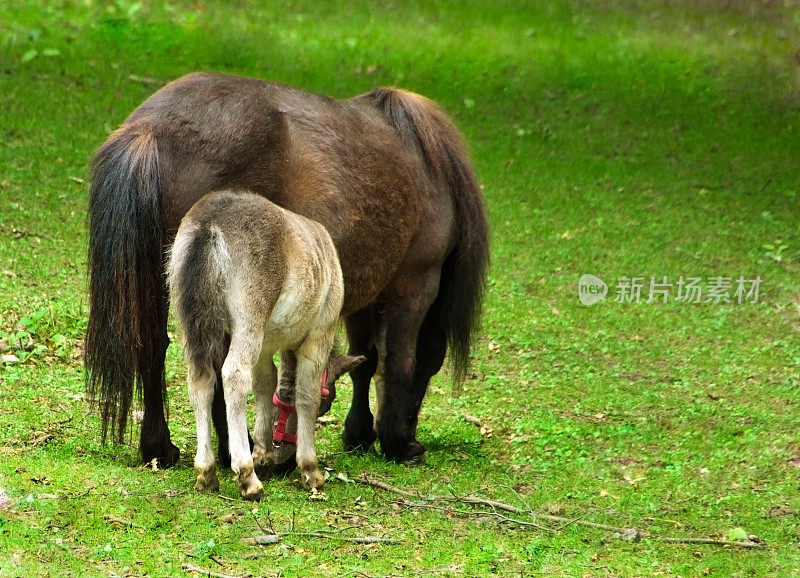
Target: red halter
x: 280, y: 435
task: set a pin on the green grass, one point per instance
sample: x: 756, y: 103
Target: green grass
x: 613, y: 138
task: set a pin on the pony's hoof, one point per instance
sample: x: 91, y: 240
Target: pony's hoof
x: 412, y: 453
x: 285, y: 467
x: 358, y: 443
x: 224, y: 455
x: 165, y: 457
x: 263, y: 464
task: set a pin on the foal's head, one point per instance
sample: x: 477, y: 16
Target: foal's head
x: 336, y: 368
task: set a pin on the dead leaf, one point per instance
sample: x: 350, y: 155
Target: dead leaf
x: 631, y: 535
x: 317, y: 495
x: 634, y: 477
x: 778, y: 511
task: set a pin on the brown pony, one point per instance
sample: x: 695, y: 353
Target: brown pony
x: 385, y: 172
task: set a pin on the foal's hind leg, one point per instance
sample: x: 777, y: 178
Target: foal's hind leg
x: 359, y: 432
x: 237, y: 380
x: 201, y: 393
x: 311, y: 360
x: 220, y: 418
x: 265, y: 379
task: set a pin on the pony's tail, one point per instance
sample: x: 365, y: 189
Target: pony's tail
x: 422, y: 123
x: 199, y: 266
x: 127, y: 297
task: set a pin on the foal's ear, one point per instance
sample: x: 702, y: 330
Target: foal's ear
x: 341, y: 365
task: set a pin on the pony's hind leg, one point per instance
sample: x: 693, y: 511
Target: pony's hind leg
x: 237, y: 380
x: 220, y: 419
x: 219, y: 415
x: 201, y: 393
x: 430, y: 354
x: 154, y: 440
x: 359, y: 431
x: 399, y: 397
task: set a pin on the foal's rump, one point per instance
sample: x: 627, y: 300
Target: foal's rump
x: 239, y: 257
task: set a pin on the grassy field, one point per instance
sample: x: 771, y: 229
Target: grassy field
x: 631, y: 141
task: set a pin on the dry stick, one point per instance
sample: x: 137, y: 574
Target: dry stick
x: 495, y: 513
x: 631, y: 534
x: 353, y: 539
x: 204, y: 572
x: 473, y: 420
x: 274, y: 538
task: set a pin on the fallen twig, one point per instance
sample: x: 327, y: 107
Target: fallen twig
x: 148, y: 80
x: 353, y: 539
x: 384, y: 486
x: 211, y: 574
x: 627, y: 534
x: 274, y: 538
x: 473, y: 420
x: 449, y: 510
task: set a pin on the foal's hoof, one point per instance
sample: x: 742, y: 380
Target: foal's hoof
x: 207, y: 481
x: 249, y: 485
x: 254, y: 492
x: 312, y: 479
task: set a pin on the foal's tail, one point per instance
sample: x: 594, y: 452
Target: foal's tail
x: 421, y: 122
x: 127, y: 297
x: 199, y: 265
